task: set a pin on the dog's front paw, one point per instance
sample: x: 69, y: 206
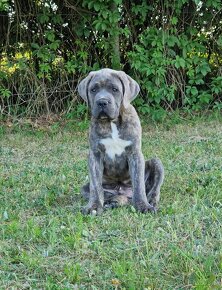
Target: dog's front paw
x: 144, y: 207
x: 93, y: 209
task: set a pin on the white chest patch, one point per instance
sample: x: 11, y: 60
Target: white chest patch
x: 114, y: 145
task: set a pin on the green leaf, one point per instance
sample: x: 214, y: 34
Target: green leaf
x: 184, y: 52
x: 179, y: 62
x: 4, y: 5
x: 219, y: 41
x: 96, y: 6
x: 54, y: 45
x: 5, y: 93
x: 172, y: 40
x: 203, y: 68
x: 43, y: 18
x: 182, y: 62
x: 50, y: 35
x: 103, y: 26
x: 205, y: 98
x: 194, y: 91
x: 199, y: 82
x: 35, y: 45
x: 197, y: 2
x: 90, y: 4
x: 117, y: 2
x: 44, y: 67
x: 70, y: 66
x: 174, y: 20
x: 57, y: 19
x: 97, y: 25
x: 3, y: 75
x: 104, y: 14
x: 214, y: 3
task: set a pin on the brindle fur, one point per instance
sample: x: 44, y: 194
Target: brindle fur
x: 126, y: 178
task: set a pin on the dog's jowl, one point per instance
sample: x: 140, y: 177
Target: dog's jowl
x: 117, y: 170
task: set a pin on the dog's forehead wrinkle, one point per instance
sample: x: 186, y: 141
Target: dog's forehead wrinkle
x: 94, y: 84
x: 106, y: 79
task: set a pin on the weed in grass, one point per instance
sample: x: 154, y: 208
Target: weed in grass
x: 72, y: 272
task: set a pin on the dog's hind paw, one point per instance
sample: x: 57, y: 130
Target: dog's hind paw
x: 117, y: 201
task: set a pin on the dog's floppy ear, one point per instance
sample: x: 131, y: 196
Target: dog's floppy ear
x: 131, y: 88
x: 83, y: 87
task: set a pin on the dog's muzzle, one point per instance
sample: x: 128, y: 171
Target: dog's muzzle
x: 103, y: 107
x: 102, y: 103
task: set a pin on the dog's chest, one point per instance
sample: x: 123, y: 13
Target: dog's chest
x: 115, y: 145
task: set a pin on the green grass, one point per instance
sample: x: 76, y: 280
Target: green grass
x: 46, y: 243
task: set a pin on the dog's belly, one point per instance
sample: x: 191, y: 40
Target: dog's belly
x: 116, y: 170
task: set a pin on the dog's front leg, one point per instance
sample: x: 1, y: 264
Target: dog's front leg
x: 96, y: 195
x: 137, y: 168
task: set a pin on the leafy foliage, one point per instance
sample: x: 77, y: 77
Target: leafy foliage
x: 173, y: 49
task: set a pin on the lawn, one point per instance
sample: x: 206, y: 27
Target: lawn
x: 46, y: 243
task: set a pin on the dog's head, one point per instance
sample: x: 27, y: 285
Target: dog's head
x: 106, y: 91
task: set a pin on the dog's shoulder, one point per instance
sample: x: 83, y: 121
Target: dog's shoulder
x: 131, y: 121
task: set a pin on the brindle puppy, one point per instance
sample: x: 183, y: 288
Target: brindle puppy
x: 117, y: 170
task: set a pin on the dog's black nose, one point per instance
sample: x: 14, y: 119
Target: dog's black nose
x: 102, y: 103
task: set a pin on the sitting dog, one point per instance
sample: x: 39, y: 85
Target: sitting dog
x: 118, y: 173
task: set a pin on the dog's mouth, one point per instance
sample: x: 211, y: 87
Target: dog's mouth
x: 103, y: 115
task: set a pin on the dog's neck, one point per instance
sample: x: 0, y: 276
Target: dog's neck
x: 107, y: 121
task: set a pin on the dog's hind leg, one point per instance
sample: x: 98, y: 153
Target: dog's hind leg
x: 85, y: 191
x: 154, y: 175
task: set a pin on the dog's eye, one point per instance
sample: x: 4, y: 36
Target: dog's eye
x: 115, y: 89
x: 93, y: 90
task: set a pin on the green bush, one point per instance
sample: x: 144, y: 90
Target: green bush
x: 172, y: 49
